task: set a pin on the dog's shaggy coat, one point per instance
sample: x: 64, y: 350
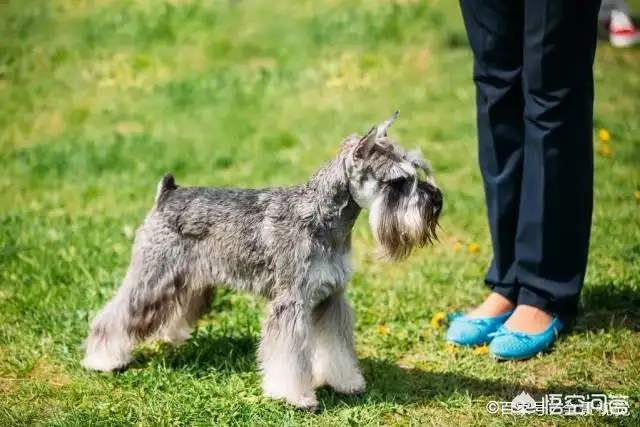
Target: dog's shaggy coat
x: 289, y: 245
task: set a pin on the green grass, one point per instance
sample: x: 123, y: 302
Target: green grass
x: 99, y: 98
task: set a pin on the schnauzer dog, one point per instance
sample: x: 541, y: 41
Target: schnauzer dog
x: 290, y: 245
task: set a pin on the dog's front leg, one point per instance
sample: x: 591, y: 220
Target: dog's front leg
x: 334, y: 358
x: 284, y: 354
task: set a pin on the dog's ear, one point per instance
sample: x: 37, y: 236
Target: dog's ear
x: 366, y: 144
x: 383, y: 127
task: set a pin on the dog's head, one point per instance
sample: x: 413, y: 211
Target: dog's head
x: 398, y: 189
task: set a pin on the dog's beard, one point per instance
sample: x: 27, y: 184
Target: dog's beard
x: 403, y: 219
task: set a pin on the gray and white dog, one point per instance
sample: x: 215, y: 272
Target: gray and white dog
x: 291, y: 245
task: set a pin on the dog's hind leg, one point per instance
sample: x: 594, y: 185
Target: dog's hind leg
x: 194, y: 306
x: 147, y: 301
x: 199, y: 304
x: 334, y: 358
x: 108, y: 346
x: 284, y: 356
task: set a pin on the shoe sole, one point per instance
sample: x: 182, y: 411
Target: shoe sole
x: 516, y: 359
x: 623, y: 41
x: 548, y: 350
x: 457, y: 344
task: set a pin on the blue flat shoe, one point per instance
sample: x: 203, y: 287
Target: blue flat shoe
x: 512, y: 345
x: 466, y: 331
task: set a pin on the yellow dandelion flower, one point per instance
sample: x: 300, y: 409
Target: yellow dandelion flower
x: 438, y: 319
x: 637, y: 194
x: 452, y: 348
x: 474, y: 248
x: 457, y: 247
x: 336, y: 82
x: 605, y: 150
x: 604, y: 135
x: 383, y: 330
x: 424, y: 333
x: 481, y: 350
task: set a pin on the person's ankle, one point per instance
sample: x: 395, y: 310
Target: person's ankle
x: 494, y: 305
x: 529, y: 319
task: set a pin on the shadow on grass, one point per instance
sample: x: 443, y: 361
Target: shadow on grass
x: 611, y: 306
x: 386, y: 382
x: 202, y: 354
x: 389, y: 383
x: 603, y: 307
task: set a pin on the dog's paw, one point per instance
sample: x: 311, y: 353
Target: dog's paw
x: 176, y: 334
x: 306, y: 403
x: 177, y: 338
x: 353, y: 386
x: 103, y: 363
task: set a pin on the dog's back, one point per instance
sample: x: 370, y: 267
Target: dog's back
x: 226, y: 234
x: 199, y: 212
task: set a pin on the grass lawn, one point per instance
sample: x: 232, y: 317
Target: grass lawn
x: 99, y: 98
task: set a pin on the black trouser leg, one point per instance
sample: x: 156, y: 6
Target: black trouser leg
x: 494, y: 29
x: 557, y: 183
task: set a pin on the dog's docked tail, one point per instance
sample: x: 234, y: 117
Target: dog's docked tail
x: 166, y: 185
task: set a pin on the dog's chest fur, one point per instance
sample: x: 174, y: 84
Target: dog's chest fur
x: 328, y: 275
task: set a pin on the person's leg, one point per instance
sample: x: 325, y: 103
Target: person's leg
x: 554, y: 224
x: 494, y: 30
